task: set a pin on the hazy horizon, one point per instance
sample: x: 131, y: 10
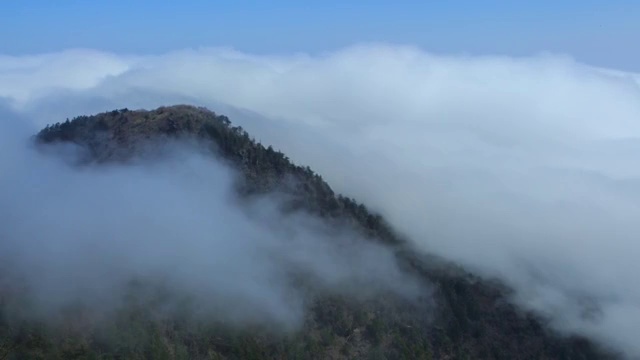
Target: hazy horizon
x: 595, y: 32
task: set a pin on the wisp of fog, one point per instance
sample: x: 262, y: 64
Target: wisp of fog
x: 522, y: 169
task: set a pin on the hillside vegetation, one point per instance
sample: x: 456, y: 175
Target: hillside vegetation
x: 465, y: 318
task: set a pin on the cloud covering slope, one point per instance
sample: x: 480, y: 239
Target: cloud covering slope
x: 523, y: 169
x: 82, y: 236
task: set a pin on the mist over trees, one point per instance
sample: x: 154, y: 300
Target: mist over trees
x: 344, y: 283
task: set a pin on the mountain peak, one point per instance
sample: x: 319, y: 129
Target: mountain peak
x: 125, y: 123
x: 472, y: 317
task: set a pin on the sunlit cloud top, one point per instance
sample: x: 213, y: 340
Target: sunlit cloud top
x: 524, y: 169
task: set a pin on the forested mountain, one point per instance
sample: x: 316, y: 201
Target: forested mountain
x: 464, y: 318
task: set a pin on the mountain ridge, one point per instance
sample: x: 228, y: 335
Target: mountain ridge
x: 474, y: 317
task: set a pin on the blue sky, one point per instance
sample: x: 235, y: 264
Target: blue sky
x: 604, y: 33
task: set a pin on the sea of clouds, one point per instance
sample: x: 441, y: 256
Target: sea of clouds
x: 522, y: 169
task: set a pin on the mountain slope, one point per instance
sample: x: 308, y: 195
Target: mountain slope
x: 472, y: 318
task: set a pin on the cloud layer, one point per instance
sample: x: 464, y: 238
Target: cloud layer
x: 523, y: 169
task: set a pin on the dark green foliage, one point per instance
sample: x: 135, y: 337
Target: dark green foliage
x: 469, y: 319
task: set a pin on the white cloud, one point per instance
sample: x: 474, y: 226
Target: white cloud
x: 519, y: 168
x: 25, y: 78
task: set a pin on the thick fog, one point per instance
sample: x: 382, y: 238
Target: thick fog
x: 80, y: 235
x: 524, y: 169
